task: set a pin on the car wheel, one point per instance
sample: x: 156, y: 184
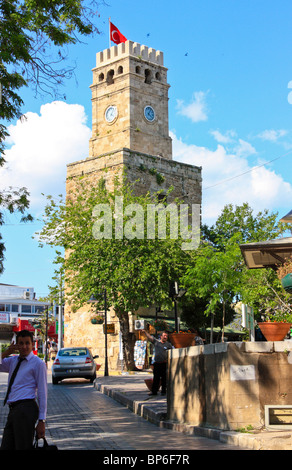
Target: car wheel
x: 92, y: 378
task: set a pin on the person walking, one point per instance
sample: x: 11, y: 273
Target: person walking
x: 27, y: 381
x: 161, y: 347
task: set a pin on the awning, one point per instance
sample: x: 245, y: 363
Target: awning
x: 267, y: 254
x: 287, y: 218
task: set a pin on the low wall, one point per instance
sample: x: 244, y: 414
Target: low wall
x: 227, y: 385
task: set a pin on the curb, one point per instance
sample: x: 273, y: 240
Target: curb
x: 158, y: 417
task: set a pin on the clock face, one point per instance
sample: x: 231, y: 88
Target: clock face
x: 149, y: 113
x: 111, y: 113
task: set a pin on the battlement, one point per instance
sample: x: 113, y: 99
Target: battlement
x: 129, y: 48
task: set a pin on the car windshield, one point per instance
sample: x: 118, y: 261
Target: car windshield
x: 73, y: 352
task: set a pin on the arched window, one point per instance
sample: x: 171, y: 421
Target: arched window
x: 120, y: 69
x: 148, y: 76
x: 138, y: 69
x: 110, y: 77
x: 101, y: 77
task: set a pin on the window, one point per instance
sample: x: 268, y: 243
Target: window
x: 162, y: 198
x: 14, y: 308
x: 101, y: 77
x: 120, y: 69
x: 138, y: 69
x: 73, y: 352
x: 2, y: 307
x: 38, y: 309
x: 26, y: 309
x: 148, y: 76
x: 110, y: 77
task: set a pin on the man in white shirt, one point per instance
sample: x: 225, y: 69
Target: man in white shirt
x: 161, y: 347
x: 29, y: 383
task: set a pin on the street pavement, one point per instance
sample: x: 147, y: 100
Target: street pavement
x: 116, y: 414
x: 82, y: 418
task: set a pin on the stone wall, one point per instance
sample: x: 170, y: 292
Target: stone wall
x: 79, y: 331
x: 149, y: 173
x: 227, y: 385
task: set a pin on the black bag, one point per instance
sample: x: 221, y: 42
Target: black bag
x: 46, y: 446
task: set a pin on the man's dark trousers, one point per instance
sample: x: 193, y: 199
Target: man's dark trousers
x: 20, y: 426
x: 159, y: 373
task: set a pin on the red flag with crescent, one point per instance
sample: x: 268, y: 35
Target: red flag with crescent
x: 115, y: 35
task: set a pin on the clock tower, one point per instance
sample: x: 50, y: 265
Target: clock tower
x: 130, y: 140
x: 130, y: 101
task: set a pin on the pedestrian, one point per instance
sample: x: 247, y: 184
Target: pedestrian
x: 198, y: 340
x: 161, y: 347
x: 53, y: 350
x: 27, y: 381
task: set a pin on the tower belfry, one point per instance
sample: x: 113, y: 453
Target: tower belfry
x: 130, y: 101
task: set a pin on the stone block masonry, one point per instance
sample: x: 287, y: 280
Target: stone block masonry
x: 228, y: 385
x: 148, y: 173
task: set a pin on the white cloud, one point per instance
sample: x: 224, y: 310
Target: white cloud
x: 42, y: 145
x: 244, y: 149
x: 226, y: 138
x: 229, y: 178
x: 272, y: 135
x: 196, y: 110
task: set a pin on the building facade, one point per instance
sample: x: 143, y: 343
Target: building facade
x: 130, y: 135
x: 18, y: 308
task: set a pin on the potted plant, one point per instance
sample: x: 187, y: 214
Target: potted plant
x: 160, y: 325
x: 278, y: 323
x: 182, y: 339
x: 97, y: 319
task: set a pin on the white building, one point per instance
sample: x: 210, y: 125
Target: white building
x: 18, y: 305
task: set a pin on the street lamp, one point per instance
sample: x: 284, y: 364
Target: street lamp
x: 94, y: 300
x: 175, y: 293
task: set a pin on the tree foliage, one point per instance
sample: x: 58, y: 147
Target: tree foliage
x: 33, y: 36
x: 12, y: 200
x: 135, y: 270
x: 218, y: 272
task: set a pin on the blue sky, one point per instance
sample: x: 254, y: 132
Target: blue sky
x: 230, y: 111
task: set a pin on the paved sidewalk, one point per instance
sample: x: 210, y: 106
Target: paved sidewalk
x: 130, y: 390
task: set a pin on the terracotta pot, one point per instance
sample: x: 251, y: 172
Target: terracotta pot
x: 274, y: 331
x: 149, y: 383
x: 181, y: 340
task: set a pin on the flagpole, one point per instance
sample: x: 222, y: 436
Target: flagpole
x: 109, y: 27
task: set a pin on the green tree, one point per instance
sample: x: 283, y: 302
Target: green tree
x: 33, y: 36
x: 33, y: 39
x: 134, y: 268
x: 12, y: 200
x: 218, y: 271
x: 215, y: 274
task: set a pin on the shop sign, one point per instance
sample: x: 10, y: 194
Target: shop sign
x: 4, y: 317
x: 110, y: 328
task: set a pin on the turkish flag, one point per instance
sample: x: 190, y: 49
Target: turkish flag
x: 115, y: 35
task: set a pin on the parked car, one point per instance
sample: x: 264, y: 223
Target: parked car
x: 73, y: 363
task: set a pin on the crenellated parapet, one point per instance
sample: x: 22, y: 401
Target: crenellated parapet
x: 129, y: 48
